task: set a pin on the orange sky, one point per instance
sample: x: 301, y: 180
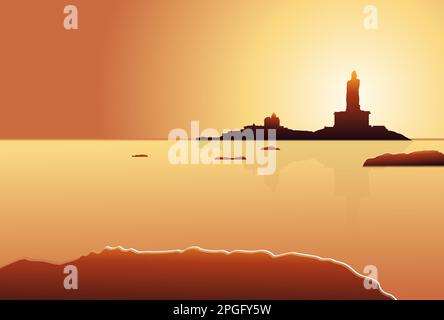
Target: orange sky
x: 139, y: 68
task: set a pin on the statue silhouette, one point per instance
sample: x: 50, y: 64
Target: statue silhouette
x: 353, y: 93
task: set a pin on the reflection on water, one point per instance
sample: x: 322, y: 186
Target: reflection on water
x: 345, y: 158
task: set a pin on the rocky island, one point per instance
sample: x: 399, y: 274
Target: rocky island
x: 351, y: 124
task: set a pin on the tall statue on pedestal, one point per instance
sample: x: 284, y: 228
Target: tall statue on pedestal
x: 353, y: 93
x: 353, y: 118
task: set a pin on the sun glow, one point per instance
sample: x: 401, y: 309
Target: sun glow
x: 231, y: 64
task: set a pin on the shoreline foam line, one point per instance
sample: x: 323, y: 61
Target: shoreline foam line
x: 269, y: 253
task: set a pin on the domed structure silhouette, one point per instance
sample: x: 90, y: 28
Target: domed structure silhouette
x: 272, y: 122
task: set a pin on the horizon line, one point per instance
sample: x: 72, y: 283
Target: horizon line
x: 189, y: 139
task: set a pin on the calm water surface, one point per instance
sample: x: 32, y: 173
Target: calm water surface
x: 63, y: 199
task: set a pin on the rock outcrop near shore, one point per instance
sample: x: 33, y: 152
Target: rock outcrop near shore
x: 188, y: 275
x: 420, y: 158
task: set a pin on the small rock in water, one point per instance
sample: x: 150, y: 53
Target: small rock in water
x: 271, y: 148
x: 227, y: 158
